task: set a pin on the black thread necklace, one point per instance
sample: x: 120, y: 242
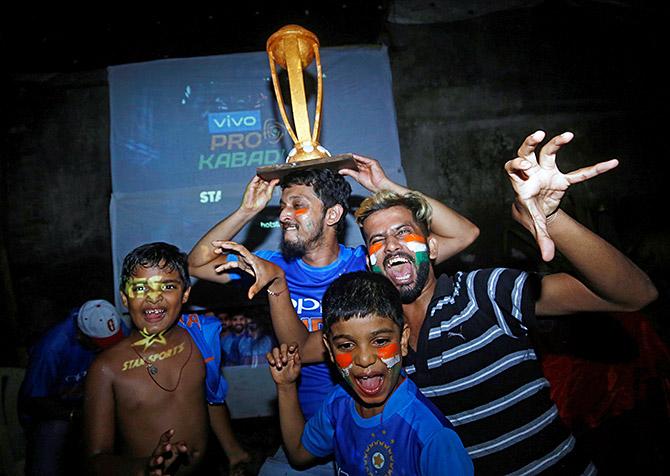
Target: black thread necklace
x: 153, y: 370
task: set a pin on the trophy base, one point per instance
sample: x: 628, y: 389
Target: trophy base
x: 341, y: 161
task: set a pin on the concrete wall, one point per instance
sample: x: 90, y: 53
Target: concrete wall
x: 467, y: 92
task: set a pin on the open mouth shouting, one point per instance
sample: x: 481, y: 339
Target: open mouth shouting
x: 370, y: 385
x: 154, y: 314
x: 400, y: 269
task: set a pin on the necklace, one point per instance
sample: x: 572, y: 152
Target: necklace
x: 152, y: 370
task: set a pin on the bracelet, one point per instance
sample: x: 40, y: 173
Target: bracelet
x: 273, y: 293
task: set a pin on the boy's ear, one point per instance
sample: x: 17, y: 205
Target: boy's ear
x: 124, y: 299
x: 186, y: 294
x: 404, y: 340
x: 433, y: 247
x: 326, y: 344
x: 334, y: 214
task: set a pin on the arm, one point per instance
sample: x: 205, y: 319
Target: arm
x: 452, y: 231
x: 285, y: 369
x: 285, y: 322
x: 219, y: 419
x: 99, y: 426
x: 204, y: 257
x: 611, y: 282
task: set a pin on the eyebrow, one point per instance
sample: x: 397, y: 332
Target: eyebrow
x: 375, y: 333
x: 392, y: 229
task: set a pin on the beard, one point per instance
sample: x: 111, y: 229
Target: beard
x: 298, y: 248
x: 410, y: 292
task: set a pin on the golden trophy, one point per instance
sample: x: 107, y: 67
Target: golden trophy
x: 294, y: 48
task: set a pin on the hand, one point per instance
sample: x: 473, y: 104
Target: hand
x: 257, y: 194
x: 284, y: 363
x: 265, y: 272
x: 370, y: 174
x: 167, y: 458
x: 540, y: 186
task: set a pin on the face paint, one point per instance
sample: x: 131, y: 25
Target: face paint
x: 417, y: 245
x: 372, y: 253
x: 153, y: 287
x: 390, y: 354
x: 344, y: 362
x: 150, y: 339
x: 134, y: 363
x: 300, y: 211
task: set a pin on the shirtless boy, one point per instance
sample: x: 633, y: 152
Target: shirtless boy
x: 145, y: 407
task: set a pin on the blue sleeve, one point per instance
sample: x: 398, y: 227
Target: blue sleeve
x: 444, y: 454
x: 205, y: 332
x: 319, y: 435
x: 265, y: 254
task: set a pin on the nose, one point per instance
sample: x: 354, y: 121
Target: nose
x: 365, y: 357
x: 285, y: 214
x: 392, y: 244
x: 154, y: 296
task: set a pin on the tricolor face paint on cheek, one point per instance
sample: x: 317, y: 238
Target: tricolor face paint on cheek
x: 373, y: 249
x: 390, y: 354
x: 344, y: 362
x: 417, y: 245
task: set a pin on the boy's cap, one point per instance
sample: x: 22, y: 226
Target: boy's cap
x: 99, y: 320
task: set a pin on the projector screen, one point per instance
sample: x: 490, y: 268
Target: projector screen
x: 188, y: 134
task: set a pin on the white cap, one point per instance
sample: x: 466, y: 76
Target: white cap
x: 100, y: 320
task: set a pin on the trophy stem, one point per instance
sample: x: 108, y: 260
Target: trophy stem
x: 296, y: 83
x: 280, y: 100
x: 319, y: 95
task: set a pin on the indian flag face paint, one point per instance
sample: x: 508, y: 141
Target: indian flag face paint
x: 390, y: 354
x: 373, y: 249
x: 300, y: 211
x: 344, y: 362
x: 417, y: 245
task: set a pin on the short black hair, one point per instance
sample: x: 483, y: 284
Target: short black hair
x: 331, y: 188
x: 162, y: 255
x: 361, y: 294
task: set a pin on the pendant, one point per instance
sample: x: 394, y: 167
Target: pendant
x: 152, y: 369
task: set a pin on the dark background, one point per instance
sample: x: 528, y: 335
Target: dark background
x: 471, y: 80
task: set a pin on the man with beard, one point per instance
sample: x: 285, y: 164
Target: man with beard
x: 313, y: 205
x: 470, y: 348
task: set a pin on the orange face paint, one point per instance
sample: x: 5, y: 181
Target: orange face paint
x: 413, y: 237
x: 344, y: 361
x: 389, y: 354
x: 389, y: 350
x: 374, y: 247
x: 300, y: 211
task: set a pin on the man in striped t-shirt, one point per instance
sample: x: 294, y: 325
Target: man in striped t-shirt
x: 470, y: 349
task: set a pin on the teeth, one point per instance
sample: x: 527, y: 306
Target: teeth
x: 396, y: 260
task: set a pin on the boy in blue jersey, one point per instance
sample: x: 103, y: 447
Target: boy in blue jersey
x: 379, y: 424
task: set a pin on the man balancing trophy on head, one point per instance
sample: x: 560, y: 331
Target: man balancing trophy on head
x: 314, y: 203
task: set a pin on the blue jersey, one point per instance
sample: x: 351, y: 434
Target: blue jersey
x: 58, y: 365
x: 307, y: 284
x: 409, y: 437
x: 206, y: 333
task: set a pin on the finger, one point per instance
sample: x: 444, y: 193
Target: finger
x: 236, y: 247
x: 586, y: 173
x: 292, y: 348
x: 270, y: 358
x: 548, y: 152
x: 228, y: 265
x: 276, y: 353
x: 518, y: 169
x: 527, y: 149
